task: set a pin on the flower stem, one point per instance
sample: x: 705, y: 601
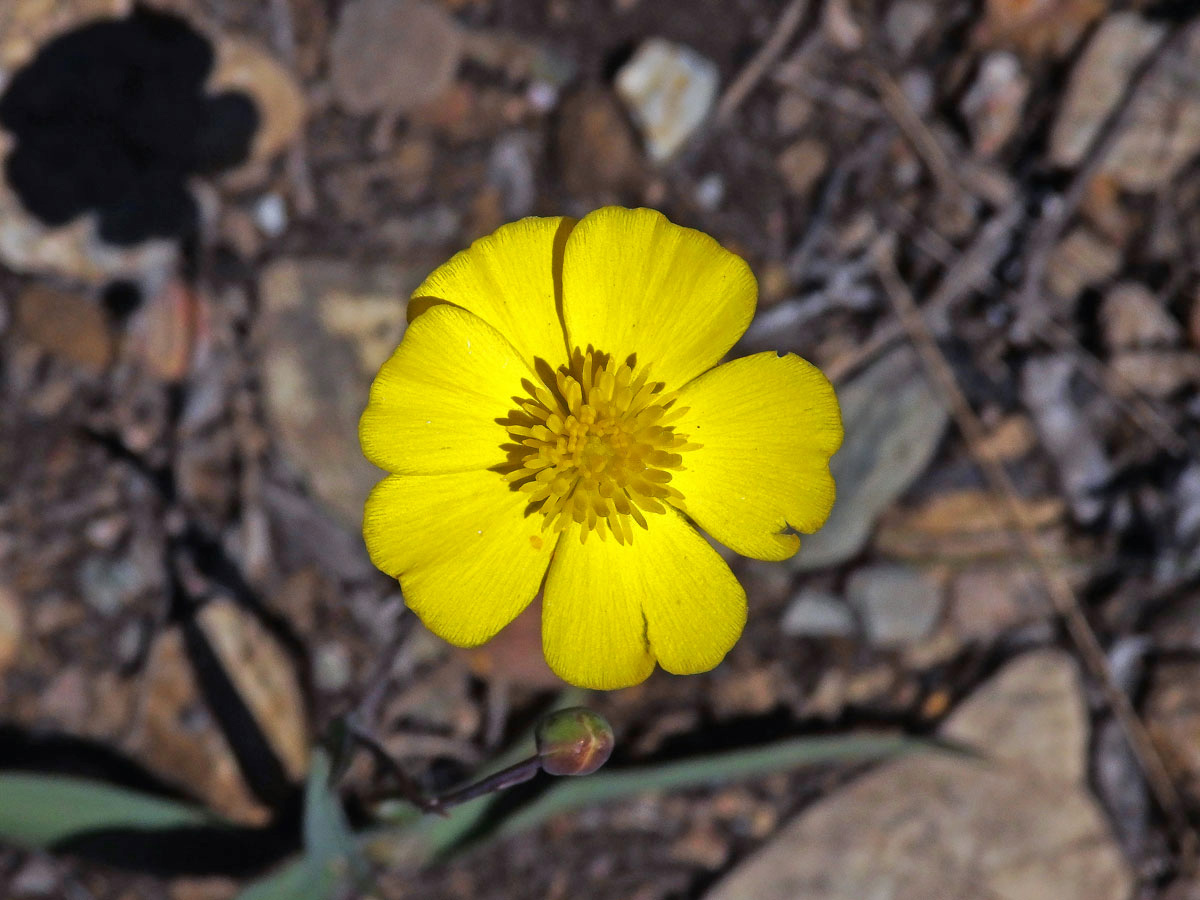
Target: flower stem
x: 505, y: 778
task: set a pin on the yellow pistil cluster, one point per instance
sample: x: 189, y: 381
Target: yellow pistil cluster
x: 596, y: 448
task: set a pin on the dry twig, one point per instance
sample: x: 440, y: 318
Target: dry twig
x: 923, y: 141
x: 1062, y: 595
x: 747, y: 79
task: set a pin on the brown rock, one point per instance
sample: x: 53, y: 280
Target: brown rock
x: 203, y: 889
x: 514, y: 656
x: 803, y: 164
x: 12, y: 627
x: 166, y: 331
x: 1157, y: 373
x: 596, y: 146
x: 176, y: 736
x: 1037, y: 27
x: 967, y: 523
x: 1164, y: 132
x: 701, y: 846
x: 994, y: 104
x: 1172, y: 711
x: 1081, y: 260
x: 264, y: 677
x: 392, y: 55
x: 1010, y: 440
x: 988, y: 599
x: 27, y: 24
x: 66, y: 324
x: 1133, y: 317
x: 792, y: 112
x: 326, y: 327
x: 1018, y: 824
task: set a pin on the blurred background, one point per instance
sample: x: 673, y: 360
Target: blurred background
x: 980, y: 217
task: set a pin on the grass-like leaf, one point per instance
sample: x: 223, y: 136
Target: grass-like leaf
x: 39, y: 811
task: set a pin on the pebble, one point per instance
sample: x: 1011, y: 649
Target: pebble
x: 1132, y: 316
x: 814, y: 613
x: 792, y: 112
x: 264, y: 677
x: 1084, y: 467
x: 802, y: 165
x: 894, y: 422
x: 1164, y: 130
x: 12, y: 627
x: 67, y: 324
x: 510, y: 171
x: 670, y: 90
x: 994, y: 104
x: 898, y: 604
x: 331, y: 668
x: 1082, y: 259
x: 349, y: 318
x: 1016, y: 821
x: 710, y: 192
x: 270, y: 215
x: 906, y: 22
x: 393, y: 55
x: 109, y: 583
x: 596, y: 145
x: 39, y: 877
x: 246, y: 66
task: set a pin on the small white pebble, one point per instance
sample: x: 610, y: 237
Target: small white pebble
x: 270, y: 215
x: 542, y: 97
x: 710, y: 191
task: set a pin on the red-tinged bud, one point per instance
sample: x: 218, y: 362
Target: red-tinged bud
x: 574, y: 741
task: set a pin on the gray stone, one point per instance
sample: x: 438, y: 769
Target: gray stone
x: 897, y: 604
x: 1083, y: 465
x: 108, y: 583
x: 907, y: 21
x: 817, y: 614
x: 894, y: 422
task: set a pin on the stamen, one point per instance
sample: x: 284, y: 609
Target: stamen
x: 597, y: 446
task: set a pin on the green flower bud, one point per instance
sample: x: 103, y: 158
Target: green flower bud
x: 574, y: 741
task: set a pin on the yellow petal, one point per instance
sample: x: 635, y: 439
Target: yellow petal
x: 467, y: 557
x: 512, y: 280
x: 766, y: 426
x: 434, y: 404
x: 611, y: 609
x: 635, y: 284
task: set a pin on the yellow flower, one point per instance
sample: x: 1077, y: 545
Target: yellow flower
x: 555, y: 412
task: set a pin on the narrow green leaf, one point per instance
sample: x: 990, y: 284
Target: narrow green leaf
x: 38, y: 811
x: 327, y: 834
x: 292, y: 881
x: 331, y: 852
x: 719, y: 768
x: 421, y: 840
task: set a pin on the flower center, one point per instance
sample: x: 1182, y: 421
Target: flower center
x: 596, y: 447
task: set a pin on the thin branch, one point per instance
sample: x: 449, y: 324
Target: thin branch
x: 755, y: 70
x: 923, y: 141
x: 1062, y: 595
